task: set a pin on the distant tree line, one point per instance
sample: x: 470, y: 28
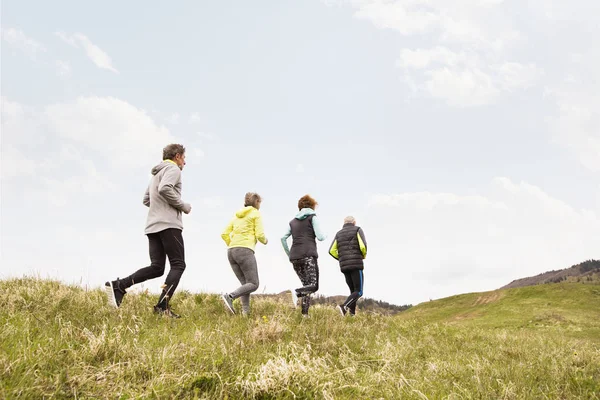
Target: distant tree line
x: 589, y: 265
x: 364, y: 304
x: 587, y: 271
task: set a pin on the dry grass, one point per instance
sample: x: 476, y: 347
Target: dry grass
x: 59, y: 341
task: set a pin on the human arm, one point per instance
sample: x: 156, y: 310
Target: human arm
x: 146, y: 200
x: 316, y: 223
x: 259, y: 230
x: 284, y: 238
x: 226, y: 234
x: 166, y: 188
x: 362, y: 242
x: 333, y: 249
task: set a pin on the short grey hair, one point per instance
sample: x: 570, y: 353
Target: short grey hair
x: 171, y: 150
x: 349, y: 220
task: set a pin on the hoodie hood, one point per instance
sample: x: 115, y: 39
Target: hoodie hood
x: 244, y: 211
x: 165, y: 164
x: 305, y: 213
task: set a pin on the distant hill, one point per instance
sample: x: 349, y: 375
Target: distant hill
x: 588, y: 271
x: 364, y: 304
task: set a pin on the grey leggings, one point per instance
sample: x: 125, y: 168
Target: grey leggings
x: 243, y: 264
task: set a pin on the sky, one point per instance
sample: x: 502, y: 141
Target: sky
x: 463, y: 135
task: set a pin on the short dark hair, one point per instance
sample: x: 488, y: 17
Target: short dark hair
x: 172, y: 150
x: 252, y: 199
x: 306, y: 202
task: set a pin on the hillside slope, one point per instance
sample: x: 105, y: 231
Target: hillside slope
x: 573, y: 308
x: 59, y: 341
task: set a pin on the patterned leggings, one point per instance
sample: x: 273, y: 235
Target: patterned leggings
x: 308, y: 272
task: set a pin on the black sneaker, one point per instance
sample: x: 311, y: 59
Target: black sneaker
x: 166, y: 312
x: 114, y: 292
x: 228, y: 302
x: 342, y: 310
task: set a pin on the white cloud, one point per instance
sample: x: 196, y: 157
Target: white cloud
x: 15, y: 163
x: 90, y: 181
x: 466, y: 63
x: 471, y: 52
x: 194, y: 118
x: 517, y: 76
x: 17, y: 39
x: 197, y: 153
x: 580, y: 11
x: 426, y: 201
x: 478, y: 23
x: 173, y: 118
x: 60, y: 192
x: 20, y: 125
x: 577, y: 123
x: 300, y: 168
x: 11, y: 109
x: 110, y: 127
x: 63, y: 68
x: 54, y: 148
x: 461, y: 87
x: 212, y: 202
x: 205, y: 135
x: 407, y: 17
x: 98, y: 56
x: 70, y: 40
x: 439, y: 244
x: 463, y: 79
x: 423, y: 58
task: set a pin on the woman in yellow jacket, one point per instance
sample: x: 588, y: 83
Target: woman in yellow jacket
x: 241, y: 235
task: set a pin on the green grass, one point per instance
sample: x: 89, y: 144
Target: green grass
x: 59, y: 341
x: 571, y: 309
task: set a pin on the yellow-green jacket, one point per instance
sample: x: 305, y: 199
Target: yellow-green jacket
x: 245, y: 229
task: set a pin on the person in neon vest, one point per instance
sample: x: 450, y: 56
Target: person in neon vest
x: 349, y: 247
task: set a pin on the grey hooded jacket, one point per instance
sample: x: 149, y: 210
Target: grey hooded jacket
x: 163, y: 197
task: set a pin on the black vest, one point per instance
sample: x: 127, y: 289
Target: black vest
x: 350, y: 256
x: 304, y: 242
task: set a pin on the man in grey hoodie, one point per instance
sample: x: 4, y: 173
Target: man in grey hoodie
x: 163, y: 228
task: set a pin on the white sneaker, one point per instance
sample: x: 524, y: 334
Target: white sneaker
x: 294, y: 298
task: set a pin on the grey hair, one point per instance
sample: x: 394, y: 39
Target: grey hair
x: 171, y: 150
x: 349, y: 220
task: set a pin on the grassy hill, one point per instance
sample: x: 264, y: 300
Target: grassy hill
x: 571, y: 309
x: 59, y: 341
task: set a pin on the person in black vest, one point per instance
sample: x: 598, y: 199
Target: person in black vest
x: 350, y: 248
x: 304, y: 229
